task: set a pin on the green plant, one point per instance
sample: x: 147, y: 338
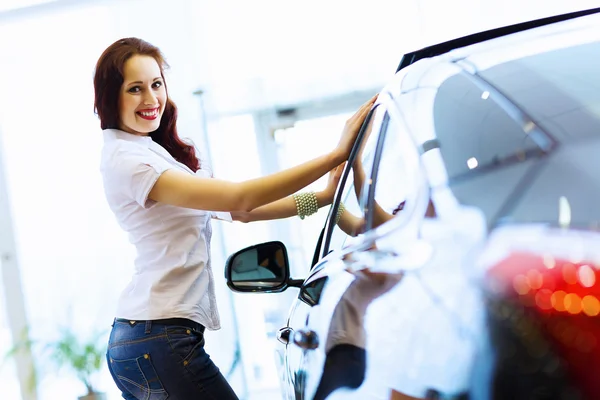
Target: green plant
x: 83, y: 358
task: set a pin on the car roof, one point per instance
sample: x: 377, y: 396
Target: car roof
x: 445, y: 47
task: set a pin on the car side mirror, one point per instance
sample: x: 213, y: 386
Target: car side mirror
x: 260, y: 268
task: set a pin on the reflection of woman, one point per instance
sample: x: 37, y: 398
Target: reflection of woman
x: 345, y: 361
x: 247, y: 267
x: 271, y: 260
x: 164, y: 199
x: 353, y: 225
x: 350, y: 223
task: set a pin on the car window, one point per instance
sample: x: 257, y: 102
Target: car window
x: 511, y: 168
x: 351, y: 205
x: 388, y: 176
x: 389, y: 155
x: 476, y: 134
x: 351, y: 222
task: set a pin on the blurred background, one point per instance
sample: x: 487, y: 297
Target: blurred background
x: 260, y: 86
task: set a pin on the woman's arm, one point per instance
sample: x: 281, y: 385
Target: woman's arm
x: 184, y: 190
x: 379, y: 214
x: 350, y: 223
x: 353, y: 225
x: 180, y: 189
x: 283, y: 208
x: 287, y: 207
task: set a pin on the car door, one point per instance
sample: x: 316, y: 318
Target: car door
x: 300, y: 344
x: 315, y: 319
x: 352, y: 290
x: 375, y: 283
x: 422, y: 324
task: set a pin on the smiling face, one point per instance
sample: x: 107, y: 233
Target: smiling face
x: 143, y: 96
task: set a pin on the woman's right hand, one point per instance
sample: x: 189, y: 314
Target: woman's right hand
x: 352, y: 128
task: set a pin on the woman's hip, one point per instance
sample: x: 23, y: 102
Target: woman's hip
x: 165, y: 357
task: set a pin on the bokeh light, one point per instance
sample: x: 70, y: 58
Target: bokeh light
x: 587, y: 276
x: 549, y: 261
x: 535, y: 279
x: 521, y: 284
x: 573, y: 303
x: 569, y: 272
x: 558, y: 300
x: 590, y: 305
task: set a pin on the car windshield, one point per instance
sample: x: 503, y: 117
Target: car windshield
x: 492, y: 160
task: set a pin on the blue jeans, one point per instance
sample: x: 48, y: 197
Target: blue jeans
x: 159, y: 360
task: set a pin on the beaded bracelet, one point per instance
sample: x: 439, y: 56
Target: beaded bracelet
x: 306, y: 204
x: 339, y: 213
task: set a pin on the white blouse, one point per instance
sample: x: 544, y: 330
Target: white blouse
x: 173, y: 275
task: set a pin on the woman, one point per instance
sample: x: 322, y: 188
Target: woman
x: 161, y: 196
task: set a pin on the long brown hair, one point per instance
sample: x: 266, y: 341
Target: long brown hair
x: 108, y: 79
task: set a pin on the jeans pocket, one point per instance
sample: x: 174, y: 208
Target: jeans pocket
x: 139, y: 377
x: 184, y: 342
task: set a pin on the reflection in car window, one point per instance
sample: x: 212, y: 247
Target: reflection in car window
x: 557, y: 88
x: 477, y: 134
x: 338, y: 236
x: 392, y: 181
x: 351, y: 222
x: 494, y: 164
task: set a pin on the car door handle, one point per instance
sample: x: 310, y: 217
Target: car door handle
x: 306, y: 339
x: 283, y: 334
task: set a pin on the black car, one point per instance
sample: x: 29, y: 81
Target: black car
x: 466, y: 260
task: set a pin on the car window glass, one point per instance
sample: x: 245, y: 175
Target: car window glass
x: 352, y: 219
x: 351, y: 205
x: 390, y: 185
x: 386, y: 170
x: 475, y: 133
x: 499, y: 166
x: 566, y: 79
x: 480, y: 144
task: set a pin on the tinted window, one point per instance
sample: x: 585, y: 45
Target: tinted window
x: 391, y: 183
x: 505, y: 167
x: 390, y: 170
x: 559, y: 89
x: 352, y: 222
x: 339, y: 236
x: 379, y: 186
x: 475, y: 132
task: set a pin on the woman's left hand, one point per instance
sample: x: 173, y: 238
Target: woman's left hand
x: 352, y: 127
